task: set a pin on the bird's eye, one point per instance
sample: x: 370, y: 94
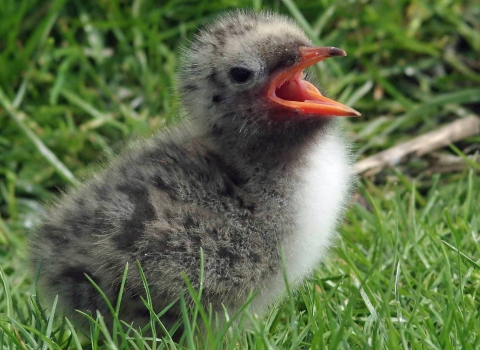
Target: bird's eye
x: 240, y: 75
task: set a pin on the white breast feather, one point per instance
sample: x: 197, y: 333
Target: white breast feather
x: 319, y: 204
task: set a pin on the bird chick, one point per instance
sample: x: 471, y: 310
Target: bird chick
x: 258, y: 165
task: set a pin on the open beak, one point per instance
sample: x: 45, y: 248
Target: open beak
x: 288, y: 88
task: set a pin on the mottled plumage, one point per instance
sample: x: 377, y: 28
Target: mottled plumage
x: 239, y: 177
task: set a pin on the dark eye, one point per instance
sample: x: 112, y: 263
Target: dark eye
x: 240, y: 75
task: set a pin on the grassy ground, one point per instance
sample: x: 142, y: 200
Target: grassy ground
x: 78, y: 79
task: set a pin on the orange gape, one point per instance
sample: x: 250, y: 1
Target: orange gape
x: 289, y: 89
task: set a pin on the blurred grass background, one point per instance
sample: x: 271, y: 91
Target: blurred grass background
x: 80, y: 78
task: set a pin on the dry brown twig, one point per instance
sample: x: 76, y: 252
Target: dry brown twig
x: 420, y: 145
x: 448, y: 163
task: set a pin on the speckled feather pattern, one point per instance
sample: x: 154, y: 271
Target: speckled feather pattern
x: 231, y: 179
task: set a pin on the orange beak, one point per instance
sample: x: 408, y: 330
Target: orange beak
x: 288, y: 88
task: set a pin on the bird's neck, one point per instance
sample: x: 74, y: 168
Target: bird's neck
x: 279, y: 148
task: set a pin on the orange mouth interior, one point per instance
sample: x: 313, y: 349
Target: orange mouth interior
x: 289, y: 89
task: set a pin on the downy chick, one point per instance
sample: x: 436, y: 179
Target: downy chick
x: 258, y: 164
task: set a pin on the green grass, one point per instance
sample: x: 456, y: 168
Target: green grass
x: 78, y: 79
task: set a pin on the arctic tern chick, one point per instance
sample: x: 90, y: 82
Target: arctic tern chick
x: 258, y: 165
